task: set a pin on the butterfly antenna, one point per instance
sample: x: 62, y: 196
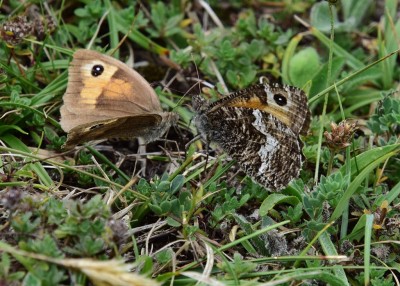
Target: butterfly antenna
x: 197, y: 83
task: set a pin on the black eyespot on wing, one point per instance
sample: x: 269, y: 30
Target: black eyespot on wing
x: 97, y: 70
x: 280, y: 99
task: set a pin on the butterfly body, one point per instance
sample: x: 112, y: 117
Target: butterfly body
x: 259, y: 127
x: 107, y: 99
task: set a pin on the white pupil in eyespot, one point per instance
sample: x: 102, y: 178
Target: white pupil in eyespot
x: 280, y: 99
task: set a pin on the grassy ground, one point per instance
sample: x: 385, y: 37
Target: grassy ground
x: 88, y: 217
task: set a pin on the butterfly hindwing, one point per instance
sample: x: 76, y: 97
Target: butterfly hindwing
x: 258, y: 132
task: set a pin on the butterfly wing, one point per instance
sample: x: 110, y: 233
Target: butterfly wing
x: 259, y: 127
x: 266, y: 149
x: 101, y: 87
x: 287, y: 103
x: 148, y: 126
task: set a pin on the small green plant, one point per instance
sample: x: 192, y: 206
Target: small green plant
x: 385, y: 121
x: 180, y: 216
x: 238, y: 266
x: 8, y: 276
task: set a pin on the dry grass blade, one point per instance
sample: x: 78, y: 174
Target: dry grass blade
x: 201, y: 278
x: 101, y: 273
x: 112, y: 272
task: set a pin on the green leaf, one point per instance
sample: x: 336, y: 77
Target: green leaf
x: 5, y: 128
x: 320, y: 17
x: 163, y: 187
x: 257, y: 242
x: 5, y: 264
x: 165, y: 206
x: 31, y: 280
x: 329, y: 249
x: 164, y: 256
x: 172, y: 222
x: 274, y: 199
x: 356, y: 11
x: 303, y: 66
x: 177, y: 184
x: 156, y: 209
x: 226, y: 51
x: 146, y: 264
x: 319, y: 81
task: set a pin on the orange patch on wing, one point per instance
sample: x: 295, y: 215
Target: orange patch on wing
x: 91, y: 91
x: 118, y: 88
x: 255, y: 103
x: 252, y: 103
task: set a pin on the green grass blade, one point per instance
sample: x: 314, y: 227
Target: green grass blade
x: 287, y: 56
x: 392, y: 195
x: 113, y: 27
x: 39, y: 170
x: 71, y: 168
x: 106, y: 161
x: 342, y: 81
x: 363, y: 160
x: 367, y: 248
x: 254, y: 234
x: 330, y: 250
x: 364, y: 172
x: 56, y: 87
x: 338, y: 50
x: 141, y: 39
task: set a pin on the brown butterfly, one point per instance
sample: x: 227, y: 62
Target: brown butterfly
x: 259, y: 127
x: 107, y: 99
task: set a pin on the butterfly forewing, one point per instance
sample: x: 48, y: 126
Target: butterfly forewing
x: 107, y: 99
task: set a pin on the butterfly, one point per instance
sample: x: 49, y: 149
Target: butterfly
x: 259, y: 127
x: 107, y: 99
